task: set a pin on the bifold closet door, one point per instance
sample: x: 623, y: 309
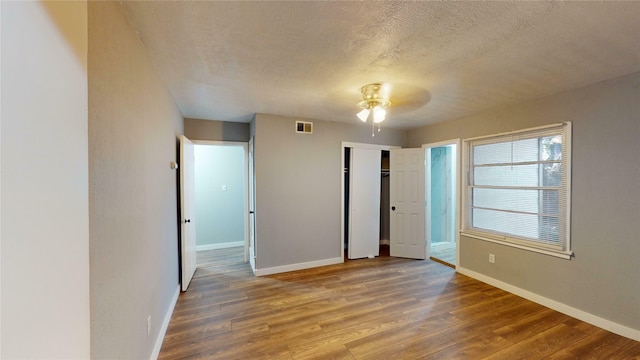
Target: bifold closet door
x: 364, y: 203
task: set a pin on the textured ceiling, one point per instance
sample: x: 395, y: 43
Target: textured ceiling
x: 443, y: 60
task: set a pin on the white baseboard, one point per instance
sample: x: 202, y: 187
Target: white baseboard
x: 299, y: 266
x: 219, y: 246
x: 608, y: 325
x: 165, y: 325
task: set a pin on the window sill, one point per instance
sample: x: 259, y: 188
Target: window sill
x: 560, y: 254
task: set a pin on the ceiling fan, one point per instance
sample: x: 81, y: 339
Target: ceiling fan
x: 375, y: 101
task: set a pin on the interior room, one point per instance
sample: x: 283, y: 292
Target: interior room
x: 481, y: 156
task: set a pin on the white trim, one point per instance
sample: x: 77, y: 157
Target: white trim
x: 522, y: 131
x: 251, y: 204
x: 347, y: 144
x: 165, y: 325
x: 442, y: 143
x: 298, y: 266
x: 561, y: 254
x: 567, y: 163
x: 605, y: 324
x: 220, y: 143
x: 427, y: 199
x: 219, y: 246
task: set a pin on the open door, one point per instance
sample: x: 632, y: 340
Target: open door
x: 407, y: 204
x: 187, y: 209
x: 252, y: 207
x: 364, y: 219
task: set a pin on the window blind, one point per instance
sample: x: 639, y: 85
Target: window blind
x: 518, y: 186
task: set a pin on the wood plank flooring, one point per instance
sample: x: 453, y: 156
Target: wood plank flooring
x: 445, y: 252
x: 382, y: 308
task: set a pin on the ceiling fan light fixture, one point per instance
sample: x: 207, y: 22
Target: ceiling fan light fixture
x: 375, y: 100
x: 379, y: 114
x: 363, y: 115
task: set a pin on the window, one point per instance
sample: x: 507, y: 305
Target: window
x: 518, y: 189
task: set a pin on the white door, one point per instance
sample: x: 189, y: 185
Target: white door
x: 252, y: 207
x: 364, y: 203
x: 407, y: 204
x: 187, y: 202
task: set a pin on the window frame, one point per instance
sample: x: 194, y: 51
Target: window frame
x: 561, y: 250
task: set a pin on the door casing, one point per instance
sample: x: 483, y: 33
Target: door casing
x: 427, y: 177
x: 245, y: 184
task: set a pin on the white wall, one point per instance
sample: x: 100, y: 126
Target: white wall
x: 44, y: 204
x: 219, y: 213
x: 133, y: 129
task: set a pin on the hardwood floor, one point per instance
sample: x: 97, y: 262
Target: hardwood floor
x: 445, y: 252
x: 220, y: 258
x: 382, y: 308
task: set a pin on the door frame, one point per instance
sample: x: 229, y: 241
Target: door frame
x: 251, y: 189
x: 245, y: 185
x: 427, y: 180
x: 344, y: 145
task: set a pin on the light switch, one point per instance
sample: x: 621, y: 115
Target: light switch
x: 224, y: 187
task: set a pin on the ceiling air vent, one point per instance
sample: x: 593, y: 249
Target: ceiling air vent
x: 304, y: 127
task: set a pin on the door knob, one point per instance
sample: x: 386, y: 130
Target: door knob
x: 393, y: 208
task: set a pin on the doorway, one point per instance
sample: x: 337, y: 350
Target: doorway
x: 365, y: 208
x: 441, y: 200
x: 221, y: 202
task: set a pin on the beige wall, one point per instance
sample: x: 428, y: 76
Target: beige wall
x: 44, y: 206
x: 603, y: 278
x: 133, y: 126
x: 298, y: 187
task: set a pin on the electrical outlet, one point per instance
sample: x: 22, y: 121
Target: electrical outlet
x: 492, y: 258
x: 148, y: 325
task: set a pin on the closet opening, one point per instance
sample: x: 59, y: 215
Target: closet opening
x: 385, y: 214
x: 366, y: 202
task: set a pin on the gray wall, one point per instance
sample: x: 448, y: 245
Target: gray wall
x: 196, y: 129
x: 219, y: 213
x: 298, y: 187
x: 133, y: 127
x: 604, y: 277
x: 45, y: 201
